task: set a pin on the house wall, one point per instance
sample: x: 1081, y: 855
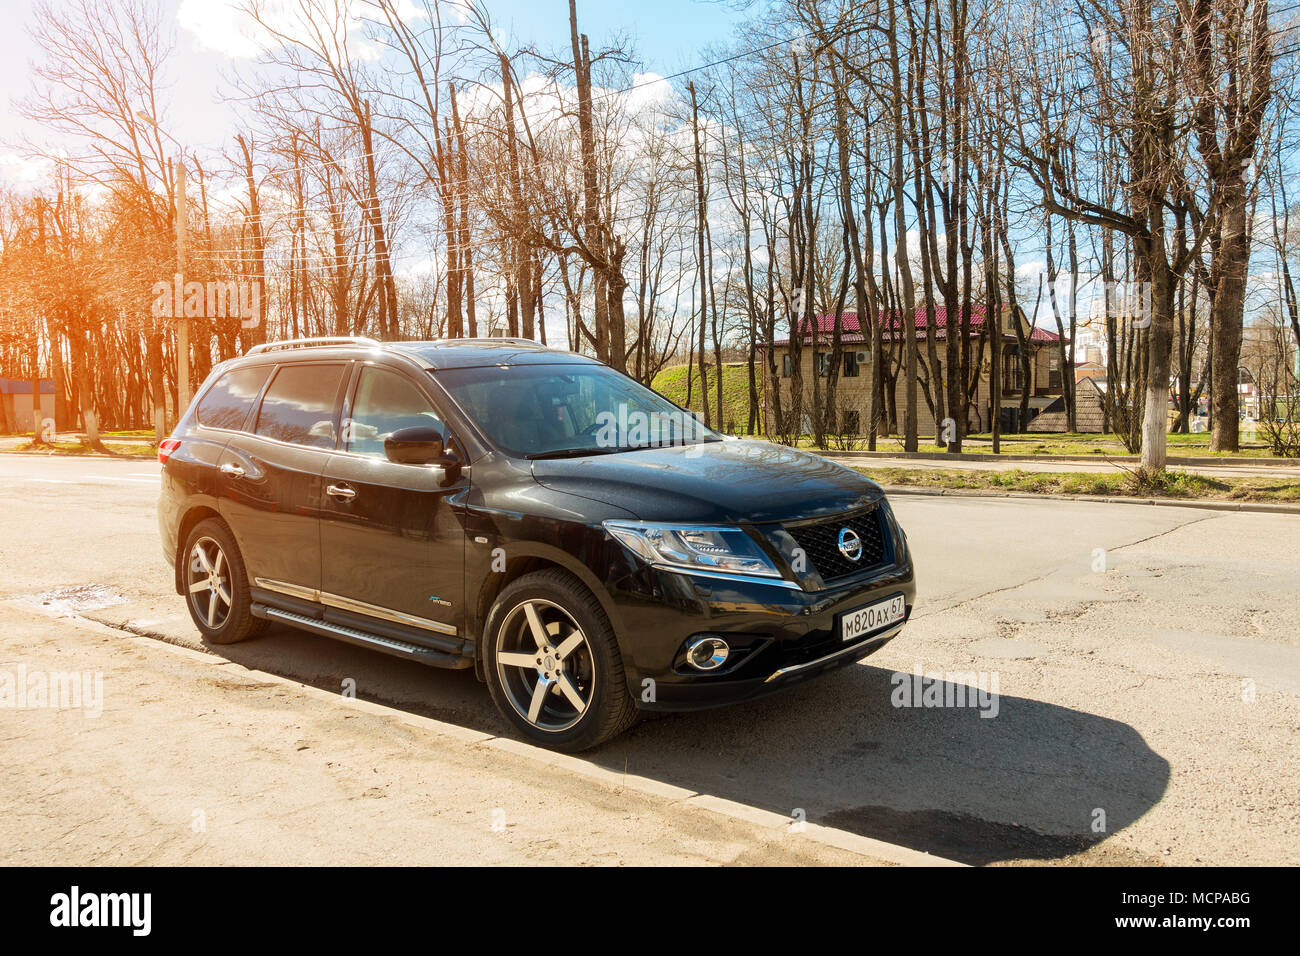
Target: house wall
x: 16, y: 412
x: 855, y: 393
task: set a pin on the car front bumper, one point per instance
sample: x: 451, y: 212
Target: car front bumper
x: 779, y: 635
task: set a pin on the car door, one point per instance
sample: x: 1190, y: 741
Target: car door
x: 271, y: 477
x: 392, y: 538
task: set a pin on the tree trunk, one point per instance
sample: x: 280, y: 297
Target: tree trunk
x: 154, y: 350
x: 1229, y: 307
x: 257, y: 335
x: 1159, y: 346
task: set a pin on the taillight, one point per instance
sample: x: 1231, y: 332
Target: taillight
x: 166, y: 447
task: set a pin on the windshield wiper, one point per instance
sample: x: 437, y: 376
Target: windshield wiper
x: 584, y: 452
x: 573, y: 453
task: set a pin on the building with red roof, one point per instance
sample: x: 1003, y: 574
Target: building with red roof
x: 854, y: 358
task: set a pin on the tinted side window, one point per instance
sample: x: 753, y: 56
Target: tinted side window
x: 299, y: 405
x: 385, y: 403
x: 228, y: 402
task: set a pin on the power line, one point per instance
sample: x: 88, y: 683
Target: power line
x: 393, y: 148
x: 227, y: 255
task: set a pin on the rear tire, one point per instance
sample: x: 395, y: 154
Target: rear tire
x: 216, y: 585
x: 553, y: 665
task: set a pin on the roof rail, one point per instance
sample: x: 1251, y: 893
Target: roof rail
x: 337, y: 341
x: 489, y: 340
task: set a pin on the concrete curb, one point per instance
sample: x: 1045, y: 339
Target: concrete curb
x: 1072, y: 459
x: 1206, y: 504
x: 874, y: 850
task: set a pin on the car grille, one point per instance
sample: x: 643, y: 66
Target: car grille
x: 820, y: 543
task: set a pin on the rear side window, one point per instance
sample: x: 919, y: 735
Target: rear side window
x: 227, y: 403
x: 299, y: 405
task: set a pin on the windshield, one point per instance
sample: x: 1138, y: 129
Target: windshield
x: 554, y: 411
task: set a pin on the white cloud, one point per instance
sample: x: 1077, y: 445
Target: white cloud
x: 221, y: 26
x: 649, y: 90
x: 460, y: 9
x: 420, y: 267
x: 226, y: 27
x: 1031, y: 270
x: 23, y: 171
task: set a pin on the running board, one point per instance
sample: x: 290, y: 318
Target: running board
x: 352, y: 635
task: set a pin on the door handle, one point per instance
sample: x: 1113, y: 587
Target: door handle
x: 340, y: 491
x: 232, y: 470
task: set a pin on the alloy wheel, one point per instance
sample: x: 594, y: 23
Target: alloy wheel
x: 545, y: 665
x: 209, y: 583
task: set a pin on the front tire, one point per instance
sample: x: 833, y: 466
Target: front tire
x: 552, y: 663
x: 216, y: 585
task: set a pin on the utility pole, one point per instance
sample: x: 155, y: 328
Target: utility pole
x: 995, y: 366
x: 36, y: 337
x: 461, y: 180
x: 701, y: 214
x: 182, y: 322
x: 592, y: 228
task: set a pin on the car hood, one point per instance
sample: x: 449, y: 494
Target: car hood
x: 726, y: 481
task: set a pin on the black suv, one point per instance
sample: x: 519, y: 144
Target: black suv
x: 589, y: 548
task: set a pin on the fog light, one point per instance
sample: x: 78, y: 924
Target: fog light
x: 707, y: 652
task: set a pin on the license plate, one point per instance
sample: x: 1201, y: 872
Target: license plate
x: 873, y: 617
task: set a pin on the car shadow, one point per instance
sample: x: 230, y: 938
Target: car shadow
x: 1035, y: 782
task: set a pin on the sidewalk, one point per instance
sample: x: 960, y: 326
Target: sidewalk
x: 196, y: 760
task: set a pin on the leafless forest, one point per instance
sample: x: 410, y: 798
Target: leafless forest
x: 402, y: 170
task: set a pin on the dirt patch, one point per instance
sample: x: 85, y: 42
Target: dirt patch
x: 75, y: 600
x: 969, y: 839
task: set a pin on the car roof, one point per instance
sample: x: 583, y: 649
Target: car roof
x: 434, y: 355
x: 476, y: 353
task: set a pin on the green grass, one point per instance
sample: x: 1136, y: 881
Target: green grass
x: 81, y: 448
x: 1170, y: 484
x: 121, y: 433
x: 1108, y: 446
x: 1053, y: 443
x: 671, y: 383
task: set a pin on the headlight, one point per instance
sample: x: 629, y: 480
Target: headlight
x: 694, y: 547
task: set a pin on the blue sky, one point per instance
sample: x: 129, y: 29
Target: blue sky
x: 668, y: 36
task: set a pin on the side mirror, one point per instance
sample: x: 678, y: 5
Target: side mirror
x: 420, y: 445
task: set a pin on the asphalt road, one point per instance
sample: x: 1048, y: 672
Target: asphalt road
x: 1147, y: 663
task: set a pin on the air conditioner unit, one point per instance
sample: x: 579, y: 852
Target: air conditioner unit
x: 862, y: 357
